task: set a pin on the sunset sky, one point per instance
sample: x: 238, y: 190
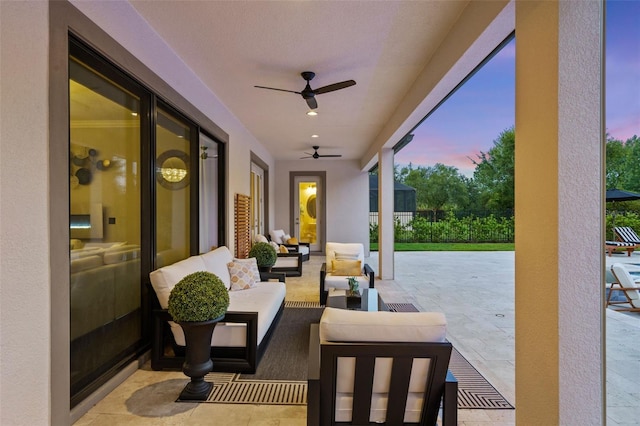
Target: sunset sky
x: 475, y: 115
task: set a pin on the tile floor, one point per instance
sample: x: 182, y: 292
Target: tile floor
x: 481, y: 326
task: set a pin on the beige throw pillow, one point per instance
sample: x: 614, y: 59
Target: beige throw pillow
x: 244, y: 274
x: 346, y: 267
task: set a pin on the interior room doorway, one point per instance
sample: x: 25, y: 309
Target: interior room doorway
x: 308, y: 206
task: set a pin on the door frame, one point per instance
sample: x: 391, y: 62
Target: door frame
x: 321, y: 224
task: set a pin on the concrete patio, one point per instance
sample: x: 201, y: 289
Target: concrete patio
x: 476, y: 292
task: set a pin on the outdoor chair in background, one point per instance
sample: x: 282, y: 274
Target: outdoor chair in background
x: 626, y: 234
x: 344, y: 260
x: 625, y: 283
x: 281, y: 238
x: 613, y: 246
x: 380, y: 367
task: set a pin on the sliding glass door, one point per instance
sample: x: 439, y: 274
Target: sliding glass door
x: 105, y: 217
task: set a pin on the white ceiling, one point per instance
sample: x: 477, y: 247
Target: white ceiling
x: 385, y: 46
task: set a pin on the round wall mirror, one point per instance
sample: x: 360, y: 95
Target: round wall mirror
x: 172, y: 169
x: 311, y: 206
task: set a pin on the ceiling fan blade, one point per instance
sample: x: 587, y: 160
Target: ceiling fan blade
x: 313, y: 104
x: 329, y: 155
x: 304, y: 158
x: 335, y: 86
x: 280, y: 90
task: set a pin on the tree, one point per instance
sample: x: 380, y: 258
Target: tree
x: 615, y: 154
x: 494, y: 173
x: 436, y: 186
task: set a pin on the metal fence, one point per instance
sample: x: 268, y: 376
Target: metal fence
x: 426, y: 226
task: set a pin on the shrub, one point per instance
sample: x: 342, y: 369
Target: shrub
x: 200, y: 296
x: 264, y: 253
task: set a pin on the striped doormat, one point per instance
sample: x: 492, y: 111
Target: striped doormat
x: 474, y: 391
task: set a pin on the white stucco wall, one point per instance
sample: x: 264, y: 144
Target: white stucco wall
x: 25, y: 370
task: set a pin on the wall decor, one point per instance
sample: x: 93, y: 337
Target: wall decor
x: 172, y: 169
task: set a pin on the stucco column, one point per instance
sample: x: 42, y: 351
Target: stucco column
x: 559, y: 213
x: 385, y: 214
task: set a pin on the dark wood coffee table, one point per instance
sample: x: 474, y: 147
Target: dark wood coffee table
x: 337, y: 298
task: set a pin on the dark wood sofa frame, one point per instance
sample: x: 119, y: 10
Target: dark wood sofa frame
x: 227, y: 359
x: 290, y: 271
x: 442, y: 386
x: 368, y: 271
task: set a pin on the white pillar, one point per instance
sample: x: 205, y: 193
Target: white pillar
x: 385, y: 214
x: 559, y: 213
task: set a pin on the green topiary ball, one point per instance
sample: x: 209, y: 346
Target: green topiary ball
x: 264, y: 253
x: 200, y: 296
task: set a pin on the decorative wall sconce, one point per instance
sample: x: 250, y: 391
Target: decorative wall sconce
x: 204, y: 155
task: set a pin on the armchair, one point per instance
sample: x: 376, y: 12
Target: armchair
x: 279, y: 237
x: 627, y: 285
x: 380, y: 367
x: 342, y: 262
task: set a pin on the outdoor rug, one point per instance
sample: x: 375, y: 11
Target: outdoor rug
x: 281, y: 375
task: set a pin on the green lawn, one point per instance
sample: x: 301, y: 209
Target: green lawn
x: 449, y: 246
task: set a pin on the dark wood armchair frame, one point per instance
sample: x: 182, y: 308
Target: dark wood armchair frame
x: 290, y: 271
x: 295, y: 248
x: 368, y: 271
x: 442, y: 386
x: 228, y: 359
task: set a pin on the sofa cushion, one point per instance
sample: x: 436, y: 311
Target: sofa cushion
x: 340, y: 281
x: 164, y: 279
x: 277, y: 235
x: 216, y: 263
x: 259, y: 238
x: 344, y: 325
x: 347, y: 251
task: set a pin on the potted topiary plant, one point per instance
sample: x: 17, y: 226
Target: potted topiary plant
x: 265, y: 255
x: 197, y: 302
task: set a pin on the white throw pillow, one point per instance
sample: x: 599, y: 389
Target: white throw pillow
x: 276, y: 236
x: 261, y: 239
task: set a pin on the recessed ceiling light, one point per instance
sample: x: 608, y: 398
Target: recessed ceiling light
x: 135, y: 114
x: 315, y: 136
x: 312, y: 113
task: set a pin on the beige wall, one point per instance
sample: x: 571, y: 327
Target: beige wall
x: 559, y: 213
x: 25, y: 299
x: 347, y: 202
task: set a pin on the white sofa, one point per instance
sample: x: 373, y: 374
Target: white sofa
x: 104, y: 285
x: 240, y: 338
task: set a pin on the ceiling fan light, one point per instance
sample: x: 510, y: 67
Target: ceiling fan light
x: 312, y: 113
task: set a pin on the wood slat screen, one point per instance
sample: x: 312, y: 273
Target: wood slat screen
x: 243, y: 225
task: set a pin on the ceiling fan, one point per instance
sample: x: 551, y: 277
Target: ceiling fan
x: 315, y: 154
x: 309, y: 94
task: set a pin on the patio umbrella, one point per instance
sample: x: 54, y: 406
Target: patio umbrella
x: 621, y: 195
